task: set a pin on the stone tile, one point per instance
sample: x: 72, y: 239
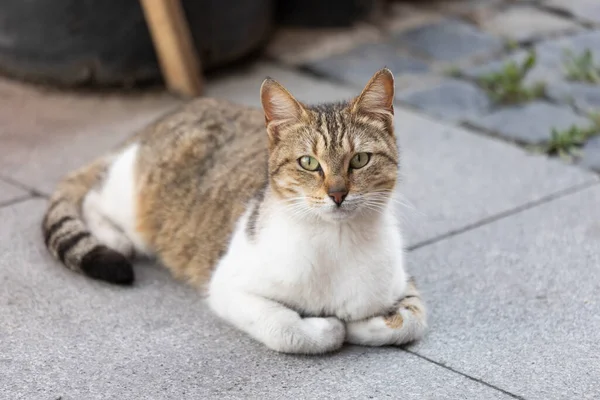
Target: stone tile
x: 586, y: 10
x: 452, y: 178
x: 44, y: 134
x: 515, y: 303
x: 452, y: 100
x: 10, y: 192
x: 65, y: 336
x: 531, y: 123
x: 526, y: 23
x: 358, y: 65
x: 415, y: 82
x: 583, y: 96
x: 243, y: 85
x: 479, y: 70
x: 551, y: 56
x: 296, y: 46
x: 401, y: 15
x: 553, y: 51
x: 449, y: 40
x: 591, y: 154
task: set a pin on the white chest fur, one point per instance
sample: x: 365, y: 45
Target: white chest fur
x: 351, y: 270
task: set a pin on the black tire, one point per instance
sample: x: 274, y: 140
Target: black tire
x: 107, y: 43
x: 322, y: 13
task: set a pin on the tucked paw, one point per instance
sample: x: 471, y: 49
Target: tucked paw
x: 370, y: 332
x: 323, y: 334
x: 406, y: 324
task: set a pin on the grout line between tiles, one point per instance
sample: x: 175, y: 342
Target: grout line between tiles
x: 16, y: 200
x: 33, y: 191
x: 514, y: 396
x: 504, y: 214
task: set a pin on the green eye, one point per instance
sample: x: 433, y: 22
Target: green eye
x: 309, y: 163
x: 359, y: 160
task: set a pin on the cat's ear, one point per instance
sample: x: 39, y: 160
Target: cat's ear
x: 279, y: 105
x: 378, y: 96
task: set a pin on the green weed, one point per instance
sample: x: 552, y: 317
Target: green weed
x: 507, y: 85
x: 582, y: 68
x: 453, y: 72
x: 566, y: 143
x: 511, y: 45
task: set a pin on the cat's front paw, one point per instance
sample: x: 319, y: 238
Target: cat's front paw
x: 323, y: 334
x: 407, y: 323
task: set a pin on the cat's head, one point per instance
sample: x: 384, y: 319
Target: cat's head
x: 334, y: 161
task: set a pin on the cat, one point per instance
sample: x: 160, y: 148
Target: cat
x: 291, y: 231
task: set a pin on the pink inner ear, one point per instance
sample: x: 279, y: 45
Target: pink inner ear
x: 378, y: 95
x: 278, y: 104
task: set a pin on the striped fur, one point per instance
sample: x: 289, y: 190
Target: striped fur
x: 67, y: 237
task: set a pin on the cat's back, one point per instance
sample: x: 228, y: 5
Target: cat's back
x: 198, y: 169
x: 203, y: 126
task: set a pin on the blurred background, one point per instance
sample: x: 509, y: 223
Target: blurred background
x: 107, y: 42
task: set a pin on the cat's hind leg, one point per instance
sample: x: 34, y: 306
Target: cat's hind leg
x: 105, y: 230
x: 405, y: 323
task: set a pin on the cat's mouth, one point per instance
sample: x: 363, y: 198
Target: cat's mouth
x: 336, y: 213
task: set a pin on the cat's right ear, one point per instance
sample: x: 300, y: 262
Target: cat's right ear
x: 279, y: 105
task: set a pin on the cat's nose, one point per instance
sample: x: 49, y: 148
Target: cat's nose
x: 338, y: 196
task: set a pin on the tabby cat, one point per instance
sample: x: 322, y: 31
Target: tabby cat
x: 292, y: 233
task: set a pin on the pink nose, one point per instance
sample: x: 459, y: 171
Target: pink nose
x: 338, y: 196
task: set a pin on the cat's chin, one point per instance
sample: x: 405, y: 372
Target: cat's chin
x: 337, y: 214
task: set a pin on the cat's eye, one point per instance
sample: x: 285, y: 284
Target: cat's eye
x: 359, y: 160
x: 309, y: 163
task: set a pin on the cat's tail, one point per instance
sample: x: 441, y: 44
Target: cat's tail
x: 68, y: 238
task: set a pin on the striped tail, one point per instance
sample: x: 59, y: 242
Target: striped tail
x: 67, y: 237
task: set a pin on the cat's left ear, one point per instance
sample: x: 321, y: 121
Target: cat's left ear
x: 377, y: 98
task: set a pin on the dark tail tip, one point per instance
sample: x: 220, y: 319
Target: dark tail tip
x: 107, y: 265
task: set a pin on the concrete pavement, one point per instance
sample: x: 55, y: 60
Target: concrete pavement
x: 505, y: 245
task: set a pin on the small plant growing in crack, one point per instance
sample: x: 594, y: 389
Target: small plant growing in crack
x: 567, y: 143
x: 453, y: 72
x: 511, y: 45
x: 582, y: 67
x: 507, y: 85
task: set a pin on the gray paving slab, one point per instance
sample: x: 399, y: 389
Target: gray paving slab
x: 590, y: 156
x: 449, y: 40
x: 584, y: 97
x: 454, y: 178
x: 516, y: 303
x: 357, y: 65
x: 64, y: 336
x: 552, y: 55
x: 44, y: 134
x: 587, y: 10
x: 527, y: 23
x: 451, y: 99
x: 531, y: 123
x: 10, y: 192
x: 243, y: 85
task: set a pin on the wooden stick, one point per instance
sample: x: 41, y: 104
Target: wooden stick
x: 172, y: 40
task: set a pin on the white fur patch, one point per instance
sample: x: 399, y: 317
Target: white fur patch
x: 345, y: 271
x: 110, y: 211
